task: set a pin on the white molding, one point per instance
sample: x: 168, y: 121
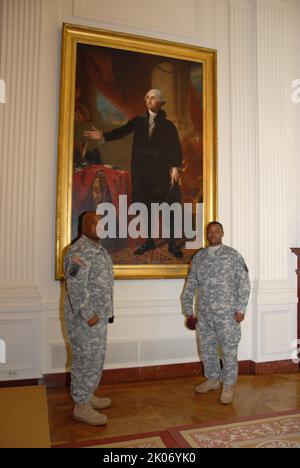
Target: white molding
x: 130, y: 365
x: 142, y: 306
x: 279, y: 348
x: 20, y: 297
x: 243, y: 153
x: 54, y: 327
x: 273, y: 292
x: 271, y: 127
x: 265, y: 331
x: 118, y: 24
x: 19, y: 52
x: 278, y: 299
x: 19, y: 309
x: 98, y: 10
x: 208, y: 23
x: 138, y: 362
x: 12, y: 326
x: 165, y: 362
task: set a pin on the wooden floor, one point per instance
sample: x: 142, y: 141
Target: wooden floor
x: 157, y: 405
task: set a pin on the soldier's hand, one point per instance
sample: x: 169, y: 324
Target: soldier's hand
x: 95, y: 319
x: 239, y: 317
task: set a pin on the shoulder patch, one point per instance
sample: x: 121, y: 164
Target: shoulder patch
x: 74, y: 270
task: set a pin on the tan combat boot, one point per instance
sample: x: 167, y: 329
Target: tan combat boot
x: 100, y: 403
x: 207, y: 386
x: 227, y: 395
x: 87, y: 415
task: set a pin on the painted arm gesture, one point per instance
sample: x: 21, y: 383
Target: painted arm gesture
x: 93, y: 134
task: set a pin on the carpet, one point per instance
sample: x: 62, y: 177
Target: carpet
x: 148, y: 440
x: 279, y: 430
x: 24, y: 417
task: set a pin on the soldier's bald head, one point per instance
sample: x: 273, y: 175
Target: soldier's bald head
x: 89, y: 224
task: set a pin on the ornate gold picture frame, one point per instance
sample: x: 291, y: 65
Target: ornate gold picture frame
x: 104, y: 79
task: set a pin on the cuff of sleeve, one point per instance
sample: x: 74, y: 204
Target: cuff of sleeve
x: 188, y: 314
x: 85, y: 315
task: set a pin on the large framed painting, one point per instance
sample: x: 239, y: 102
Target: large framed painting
x: 137, y: 144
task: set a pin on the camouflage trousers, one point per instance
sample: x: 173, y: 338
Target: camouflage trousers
x: 88, y: 346
x: 219, y: 335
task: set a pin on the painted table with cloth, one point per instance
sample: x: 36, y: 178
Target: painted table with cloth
x: 98, y: 183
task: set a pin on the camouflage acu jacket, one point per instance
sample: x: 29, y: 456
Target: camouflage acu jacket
x: 88, y: 280
x: 221, y: 279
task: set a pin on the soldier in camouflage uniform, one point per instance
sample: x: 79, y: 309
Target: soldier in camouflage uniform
x: 220, y: 275
x: 88, y: 308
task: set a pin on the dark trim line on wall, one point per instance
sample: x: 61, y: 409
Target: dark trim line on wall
x: 133, y: 374
x: 140, y: 374
x: 20, y: 383
x: 274, y: 367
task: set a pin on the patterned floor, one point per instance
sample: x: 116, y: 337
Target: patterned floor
x: 150, y: 440
x: 280, y: 430
x: 276, y: 431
